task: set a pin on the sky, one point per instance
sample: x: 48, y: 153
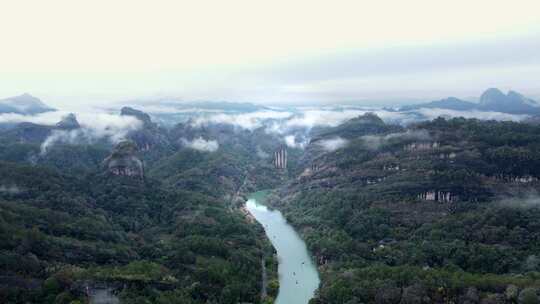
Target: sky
x: 73, y: 52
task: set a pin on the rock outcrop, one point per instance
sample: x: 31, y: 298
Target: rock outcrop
x: 422, y: 146
x: 147, y: 137
x: 68, y: 122
x: 124, y: 162
x: 438, y: 196
x: 140, y: 115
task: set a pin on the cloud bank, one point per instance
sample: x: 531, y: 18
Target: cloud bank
x: 431, y: 114
x: 249, y: 121
x: 11, y: 189
x: 306, y: 118
x: 333, y: 144
x: 374, y: 142
x: 94, y: 127
x: 200, y: 144
x: 296, y: 141
x: 529, y: 200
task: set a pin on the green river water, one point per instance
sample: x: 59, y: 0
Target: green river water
x: 298, y: 275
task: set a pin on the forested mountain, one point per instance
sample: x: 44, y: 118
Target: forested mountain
x: 442, y: 211
x: 98, y: 219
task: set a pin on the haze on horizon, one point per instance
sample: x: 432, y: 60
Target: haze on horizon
x: 73, y: 53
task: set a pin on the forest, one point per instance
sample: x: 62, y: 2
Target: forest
x: 435, y: 212
x: 380, y: 237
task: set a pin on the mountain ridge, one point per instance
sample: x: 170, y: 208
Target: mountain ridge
x: 492, y: 99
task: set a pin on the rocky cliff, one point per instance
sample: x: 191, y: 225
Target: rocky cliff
x: 147, y: 137
x: 124, y: 162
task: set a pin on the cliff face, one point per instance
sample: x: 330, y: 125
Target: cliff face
x: 124, y: 162
x: 280, y: 158
x: 149, y: 136
x: 140, y: 115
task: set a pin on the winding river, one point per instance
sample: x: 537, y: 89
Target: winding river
x: 298, y: 276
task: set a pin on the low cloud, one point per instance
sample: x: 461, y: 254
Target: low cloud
x: 94, y: 127
x: 431, y: 114
x: 529, y: 200
x: 309, y: 118
x: 200, y: 144
x: 304, y: 119
x: 59, y: 136
x: 295, y: 141
x: 261, y: 153
x: 11, y: 189
x: 312, y: 118
x: 47, y: 118
x: 249, y: 121
x: 333, y: 144
x: 375, y: 142
x: 282, y: 122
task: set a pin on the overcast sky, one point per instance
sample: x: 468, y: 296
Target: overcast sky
x: 374, y: 51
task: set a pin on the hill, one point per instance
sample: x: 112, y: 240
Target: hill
x: 23, y: 104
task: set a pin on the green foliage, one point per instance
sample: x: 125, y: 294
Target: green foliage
x: 180, y: 245
x: 378, y: 241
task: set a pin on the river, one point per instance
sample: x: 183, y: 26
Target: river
x: 298, y: 275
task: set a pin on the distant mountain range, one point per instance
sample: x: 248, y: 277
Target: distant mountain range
x: 491, y: 100
x: 24, y: 104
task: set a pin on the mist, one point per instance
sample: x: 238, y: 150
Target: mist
x: 201, y: 144
x: 333, y: 144
x: 249, y: 121
x: 95, y: 126
x: 375, y: 142
x: 526, y: 201
x: 10, y: 189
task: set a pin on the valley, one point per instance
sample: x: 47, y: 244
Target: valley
x: 269, y: 152
x: 363, y: 209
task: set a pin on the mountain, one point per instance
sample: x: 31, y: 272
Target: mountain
x: 23, y: 104
x: 66, y: 235
x: 68, y: 122
x: 355, y: 127
x: 495, y: 100
x: 140, y: 115
x: 32, y: 133
x: 442, y: 211
x: 150, y: 138
x: 491, y: 100
x: 451, y: 103
x: 421, y: 214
